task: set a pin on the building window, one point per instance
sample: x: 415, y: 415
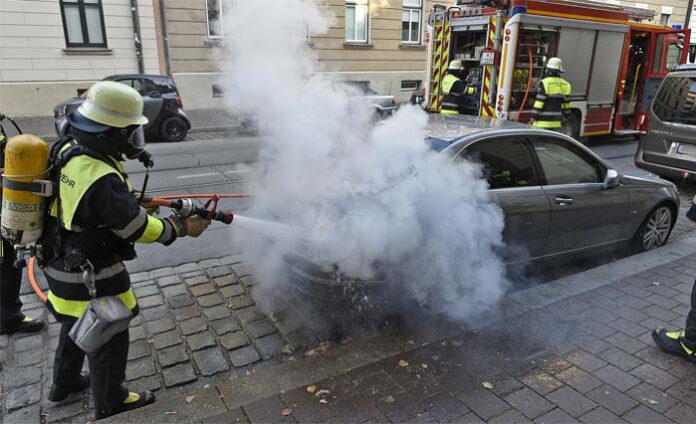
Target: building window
x: 410, y: 85
x: 664, y: 19
x: 83, y: 23
x: 356, y: 21
x: 411, y: 21
x: 214, y: 12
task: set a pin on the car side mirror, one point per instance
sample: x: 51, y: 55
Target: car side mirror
x: 612, y: 179
x: 154, y: 94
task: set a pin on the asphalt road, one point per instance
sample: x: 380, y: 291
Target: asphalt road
x: 227, y: 163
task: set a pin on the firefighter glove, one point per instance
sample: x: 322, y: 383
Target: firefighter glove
x: 192, y: 226
x: 195, y: 225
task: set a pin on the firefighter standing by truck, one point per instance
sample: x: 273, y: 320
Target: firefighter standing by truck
x: 453, y: 89
x: 98, y: 221
x: 552, y: 99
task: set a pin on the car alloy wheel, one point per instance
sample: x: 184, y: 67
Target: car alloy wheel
x: 657, y: 228
x: 176, y: 129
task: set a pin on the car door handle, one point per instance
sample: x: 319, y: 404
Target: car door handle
x: 564, y: 200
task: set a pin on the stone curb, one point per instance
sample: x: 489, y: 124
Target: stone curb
x: 240, y: 390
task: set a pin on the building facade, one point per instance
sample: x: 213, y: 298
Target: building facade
x: 51, y: 50
x: 380, y: 42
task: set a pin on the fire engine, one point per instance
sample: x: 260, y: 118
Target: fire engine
x: 614, y: 58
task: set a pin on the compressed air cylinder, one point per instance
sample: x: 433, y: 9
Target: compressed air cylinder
x: 26, y: 160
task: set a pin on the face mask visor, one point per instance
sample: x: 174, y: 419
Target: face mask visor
x: 136, y: 144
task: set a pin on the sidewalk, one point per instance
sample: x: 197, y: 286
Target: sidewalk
x: 575, y: 348
x: 202, y: 121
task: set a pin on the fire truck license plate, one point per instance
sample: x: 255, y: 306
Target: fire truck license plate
x: 487, y: 58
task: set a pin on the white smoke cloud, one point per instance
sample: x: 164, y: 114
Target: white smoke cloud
x: 369, y: 200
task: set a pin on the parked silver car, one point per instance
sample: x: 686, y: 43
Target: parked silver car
x: 559, y: 198
x: 668, y: 147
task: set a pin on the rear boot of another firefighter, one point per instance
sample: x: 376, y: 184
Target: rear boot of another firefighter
x: 675, y: 342
x: 132, y: 401
x: 60, y: 392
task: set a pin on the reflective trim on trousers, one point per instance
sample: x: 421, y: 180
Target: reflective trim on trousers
x: 448, y: 112
x: 547, y: 124
x: 75, y: 308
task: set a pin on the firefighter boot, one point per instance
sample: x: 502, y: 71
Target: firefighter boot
x: 673, y: 342
x: 59, y: 393
x: 133, y: 401
x: 26, y: 325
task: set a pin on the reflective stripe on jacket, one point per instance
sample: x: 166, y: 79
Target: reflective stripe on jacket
x: 551, y: 102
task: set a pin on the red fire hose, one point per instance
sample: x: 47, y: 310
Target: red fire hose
x: 165, y: 201
x: 529, y: 84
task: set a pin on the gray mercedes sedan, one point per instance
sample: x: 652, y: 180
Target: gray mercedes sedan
x: 560, y: 200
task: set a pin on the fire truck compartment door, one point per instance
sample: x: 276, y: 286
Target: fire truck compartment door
x: 575, y: 48
x: 469, y: 24
x: 605, y: 72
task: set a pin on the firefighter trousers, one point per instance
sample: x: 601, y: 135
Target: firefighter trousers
x: 107, y: 368
x: 10, y: 283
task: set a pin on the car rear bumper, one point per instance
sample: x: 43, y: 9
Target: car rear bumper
x: 665, y: 165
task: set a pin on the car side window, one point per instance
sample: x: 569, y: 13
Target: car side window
x: 506, y: 163
x: 563, y: 163
x: 131, y: 82
x: 149, y: 86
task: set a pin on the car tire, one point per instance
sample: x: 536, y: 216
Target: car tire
x: 174, y: 129
x: 655, y: 229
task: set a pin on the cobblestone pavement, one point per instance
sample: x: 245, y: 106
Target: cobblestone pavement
x: 198, y: 322
x: 586, y: 358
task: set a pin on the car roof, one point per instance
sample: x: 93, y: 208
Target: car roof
x: 444, y: 130
x: 111, y: 77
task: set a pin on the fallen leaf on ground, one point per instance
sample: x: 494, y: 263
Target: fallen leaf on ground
x: 250, y: 372
x: 285, y: 412
x: 411, y: 342
x: 424, y: 365
x: 403, y: 364
x: 487, y: 385
x: 170, y: 413
x: 189, y: 399
x: 456, y: 343
x: 389, y: 399
x: 322, y: 392
x: 323, y: 401
x: 287, y: 349
x: 312, y: 388
x: 310, y: 352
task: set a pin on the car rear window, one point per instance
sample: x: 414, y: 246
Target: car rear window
x: 676, y: 100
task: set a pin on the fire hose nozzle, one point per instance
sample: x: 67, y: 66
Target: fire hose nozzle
x: 187, y: 209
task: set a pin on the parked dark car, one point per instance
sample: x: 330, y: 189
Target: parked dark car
x: 668, y: 147
x: 162, y: 106
x: 560, y: 200
x: 363, y: 94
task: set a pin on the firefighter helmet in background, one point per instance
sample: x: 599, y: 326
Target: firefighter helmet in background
x: 455, y: 65
x: 26, y: 161
x: 555, y: 64
x: 109, y: 104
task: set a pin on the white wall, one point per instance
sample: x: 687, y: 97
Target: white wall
x: 36, y: 68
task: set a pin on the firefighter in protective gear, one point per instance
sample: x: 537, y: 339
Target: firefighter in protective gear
x: 12, y: 320
x: 454, y: 89
x: 552, y: 99
x: 97, y: 221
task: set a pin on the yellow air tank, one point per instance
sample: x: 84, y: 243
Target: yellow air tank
x: 26, y: 160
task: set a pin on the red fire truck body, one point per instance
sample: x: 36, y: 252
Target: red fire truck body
x: 613, y: 61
